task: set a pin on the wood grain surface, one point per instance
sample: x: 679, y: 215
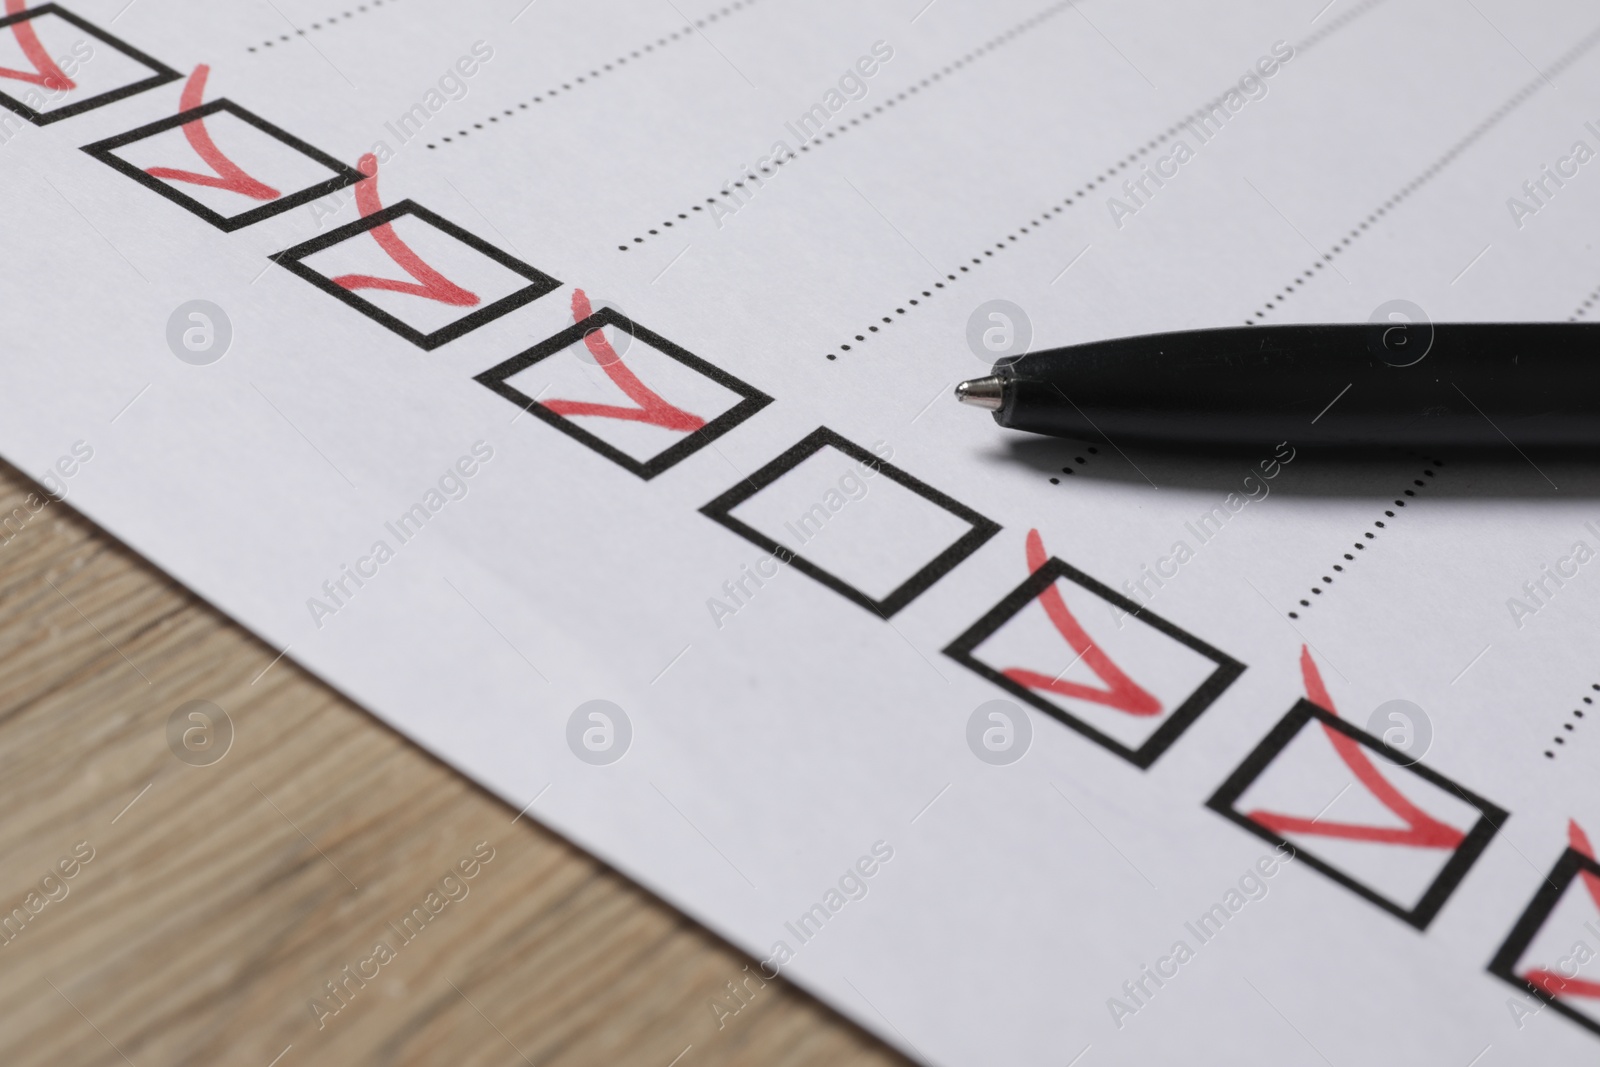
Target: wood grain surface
x: 221, y: 899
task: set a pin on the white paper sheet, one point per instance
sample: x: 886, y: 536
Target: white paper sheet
x: 789, y: 563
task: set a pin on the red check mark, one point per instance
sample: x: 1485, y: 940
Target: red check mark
x: 652, y: 409
x: 45, y: 72
x: 427, y: 282
x: 1580, y: 843
x: 1550, y: 981
x: 228, y: 174
x: 1121, y: 692
x: 1422, y: 830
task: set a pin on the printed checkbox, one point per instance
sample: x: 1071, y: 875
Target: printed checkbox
x: 1116, y: 673
x: 859, y: 525
x: 1553, y: 951
x: 225, y: 164
x: 425, y: 278
x: 1392, y: 831
x: 624, y: 391
x: 54, y: 65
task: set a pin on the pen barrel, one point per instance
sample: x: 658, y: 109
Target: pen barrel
x: 1470, y: 384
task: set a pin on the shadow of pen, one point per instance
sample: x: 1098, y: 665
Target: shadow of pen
x: 1506, y: 472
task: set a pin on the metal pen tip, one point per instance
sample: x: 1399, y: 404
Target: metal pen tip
x: 986, y: 393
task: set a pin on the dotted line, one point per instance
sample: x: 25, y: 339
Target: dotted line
x: 1517, y: 100
x: 1035, y: 223
x: 1583, y: 308
x: 1577, y: 713
x: 1334, y: 25
x: 1079, y: 460
x: 1368, y: 535
x: 329, y: 21
x: 1105, y: 176
x: 680, y: 34
x: 904, y: 94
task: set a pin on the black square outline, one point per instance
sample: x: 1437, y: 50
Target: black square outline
x: 541, y: 284
x: 161, y: 73
x: 1228, y: 669
x: 1450, y: 875
x: 1571, y: 864
x: 720, y: 511
x: 344, y: 174
x: 754, y: 399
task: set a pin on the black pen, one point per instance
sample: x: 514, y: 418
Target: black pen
x: 1467, y: 384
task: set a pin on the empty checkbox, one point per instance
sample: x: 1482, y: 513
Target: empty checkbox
x: 854, y: 522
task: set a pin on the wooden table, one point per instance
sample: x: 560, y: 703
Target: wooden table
x: 221, y: 899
